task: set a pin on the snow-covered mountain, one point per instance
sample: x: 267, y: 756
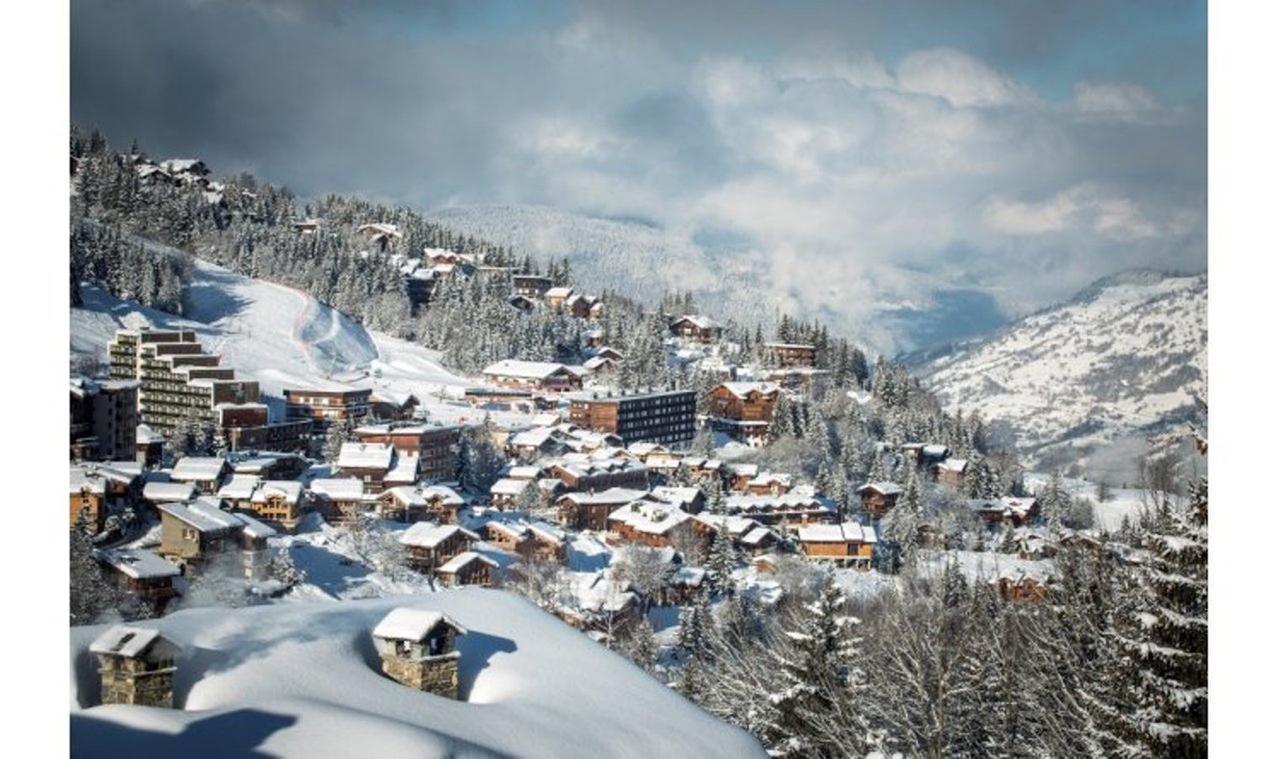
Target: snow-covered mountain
x: 1124, y: 360
x: 303, y: 679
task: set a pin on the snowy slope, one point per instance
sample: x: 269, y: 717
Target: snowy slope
x: 301, y: 680
x: 280, y: 337
x: 1124, y: 359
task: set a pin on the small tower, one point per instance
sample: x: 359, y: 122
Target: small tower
x: 417, y: 649
x: 136, y: 664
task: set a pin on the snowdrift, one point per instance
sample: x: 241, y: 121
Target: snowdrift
x: 302, y: 679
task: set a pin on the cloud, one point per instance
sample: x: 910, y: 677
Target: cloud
x: 860, y: 156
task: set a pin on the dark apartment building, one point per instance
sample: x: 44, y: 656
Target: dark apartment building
x: 665, y: 417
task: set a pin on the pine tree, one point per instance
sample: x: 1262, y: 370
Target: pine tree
x: 721, y: 560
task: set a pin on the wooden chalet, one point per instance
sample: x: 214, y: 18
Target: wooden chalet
x: 743, y: 410
x: 467, y: 568
x: 537, y: 375
x: 878, y: 497
x: 790, y: 354
x: 367, y: 462
x: 431, y: 545
x: 141, y: 573
x: 590, y: 511
x: 846, y: 544
x: 696, y: 328
x: 341, y: 500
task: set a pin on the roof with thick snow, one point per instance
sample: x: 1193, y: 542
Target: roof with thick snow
x: 161, y: 492
x: 650, y: 517
x: 848, y: 532
x: 137, y: 563
x: 405, y: 623
x: 605, y: 497
x: 442, y: 493
x: 365, y: 456
x: 289, y: 490
x: 338, y: 488
x: 253, y: 528
x: 240, y: 487
x: 405, y: 469
x: 201, y: 515
x: 147, y: 435
x: 198, y: 468
x: 463, y: 559
x: 524, y: 369
x: 406, y: 495
x: 883, y: 488
x: 428, y: 535
x: 698, y: 320
x: 129, y: 641
x: 508, y: 486
x: 743, y: 389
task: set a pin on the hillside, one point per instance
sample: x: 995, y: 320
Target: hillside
x: 300, y: 679
x: 276, y: 335
x: 1124, y: 359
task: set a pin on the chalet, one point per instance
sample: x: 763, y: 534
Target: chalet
x: 195, y: 533
x: 758, y: 540
x: 846, y: 544
x: 696, y: 328
x: 443, y: 503
x: 467, y: 568
x: 382, y: 234
x: 404, y: 470
x: 683, y: 585
x: 795, y: 378
x: 523, y: 303
x: 431, y: 545
x: 735, y: 526
x: 739, y: 476
x: 367, y: 462
x: 924, y: 455
x: 402, y: 503
x: 417, y: 649
x: 692, y: 500
x: 655, y: 456
x: 97, y: 489
x: 798, y: 507
x: 509, y: 397
x: 136, y: 665
x: 599, y: 604
x: 396, y: 407
x: 950, y: 472
x: 743, y: 410
x: 205, y: 472
x: 601, y: 366
x: 534, y: 540
x: 1020, y: 585
x: 141, y: 573
x: 599, y: 474
x: 434, y: 446
x: 604, y: 351
x: 1008, y: 510
x: 594, y: 338
x: 648, y: 523
x: 531, y: 286
x: 238, y: 491
x: 271, y: 466
x: 306, y: 227
x: 590, y: 511
x: 540, y: 375
x: 557, y: 296
x: 702, y: 470
x: 582, y: 306
x: 507, y: 492
x: 341, y: 500
x: 790, y: 354
x: 279, y: 503
x: 769, y: 483
x: 878, y: 497
x: 538, y: 441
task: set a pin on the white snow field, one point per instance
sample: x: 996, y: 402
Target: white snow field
x: 302, y: 679
x: 280, y: 337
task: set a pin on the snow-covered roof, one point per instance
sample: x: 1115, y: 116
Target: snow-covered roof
x: 240, y: 487
x: 645, y: 449
x: 365, y: 456
x: 147, y: 435
x: 676, y: 495
x: 743, y: 470
x: 137, y: 563
x: 508, y: 486
x: 954, y: 465
x: 883, y: 488
x: 524, y: 472
x: 737, y: 525
x: 289, y: 490
x: 405, y: 469
x: 698, y: 320
x: 162, y: 492
x: 253, y: 528
x: 94, y: 476
x: 650, y: 517
x: 794, y: 501
x: 523, y: 369
x: 406, y: 495
x: 198, y: 468
x: 442, y: 493
x: 559, y: 292
x: 605, y: 497
x: 461, y: 560
x: 338, y: 488
x: 405, y: 623
x: 743, y: 389
x: 428, y: 535
x: 935, y: 450
x: 201, y: 515
x: 765, y: 479
x: 129, y: 641
x: 848, y: 532
x: 533, y: 438
x: 756, y: 535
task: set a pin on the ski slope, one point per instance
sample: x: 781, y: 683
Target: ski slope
x: 281, y: 337
x: 302, y: 679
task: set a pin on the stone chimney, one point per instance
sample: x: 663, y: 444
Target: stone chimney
x: 417, y: 649
x: 136, y: 665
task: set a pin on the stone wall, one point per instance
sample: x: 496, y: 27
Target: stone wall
x: 127, y: 682
x: 438, y: 674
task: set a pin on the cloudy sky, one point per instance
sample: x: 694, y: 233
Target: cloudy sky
x: 1014, y: 147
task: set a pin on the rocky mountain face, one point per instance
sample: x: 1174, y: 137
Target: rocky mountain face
x: 1089, y: 382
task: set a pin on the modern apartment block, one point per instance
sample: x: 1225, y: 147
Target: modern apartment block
x: 104, y: 419
x: 178, y: 379
x: 666, y: 417
x: 324, y: 406
x: 436, y: 446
